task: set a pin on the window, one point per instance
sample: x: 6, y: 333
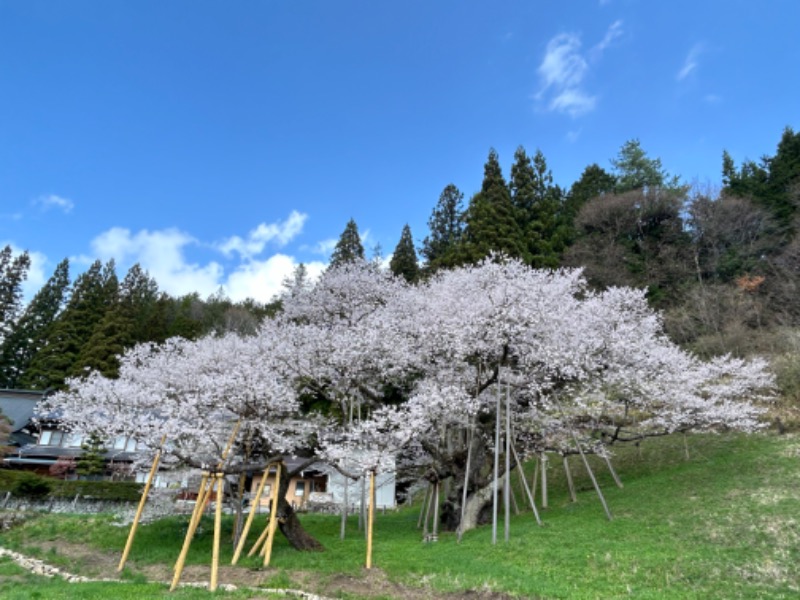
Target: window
x: 74, y: 440
x: 51, y: 437
x: 299, y: 488
x: 130, y: 445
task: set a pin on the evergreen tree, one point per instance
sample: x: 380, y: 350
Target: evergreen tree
x: 91, y: 464
x: 634, y: 170
x: 446, y: 228
x: 30, y: 331
x: 13, y: 271
x: 348, y: 248
x: 491, y: 224
x: 404, y: 260
x: 594, y: 182
x: 93, y: 294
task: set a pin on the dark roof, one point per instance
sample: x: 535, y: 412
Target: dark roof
x: 19, y: 406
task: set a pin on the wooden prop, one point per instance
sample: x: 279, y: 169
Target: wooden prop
x: 435, y: 524
x: 212, y: 586
x: 495, y: 473
x: 617, y: 480
x: 150, y: 477
x: 370, y: 517
x: 570, y: 483
x: 466, y: 484
x: 253, y: 510
x: 343, y: 526
x: 592, y: 477
x: 424, y: 504
x: 544, y: 481
x: 205, y: 489
x: 507, y: 484
x: 273, y: 517
x: 429, y: 496
x: 525, y: 484
x: 260, y: 540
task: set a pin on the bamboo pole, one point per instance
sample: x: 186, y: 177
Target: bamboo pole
x: 140, y: 509
x: 570, y: 483
x: 260, y: 540
x: 193, y: 522
x: 427, y: 513
x: 370, y: 517
x: 273, y: 515
x: 531, y: 495
x: 253, y: 510
x: 435, y: 525
x: 212, y: 586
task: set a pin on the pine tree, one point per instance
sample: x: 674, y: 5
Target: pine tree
x: 93, y: 294
x: 404, y: 260
x: 446, y: 226
x: 634, y: 170
x: 348, y: 248
x: 13, y: 271
x: 491, y: 224
x: 594, y: 182
x: 30, y: 331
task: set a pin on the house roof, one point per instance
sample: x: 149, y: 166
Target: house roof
x: 19, y: 406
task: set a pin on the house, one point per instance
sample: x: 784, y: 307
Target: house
x: 19, y: 407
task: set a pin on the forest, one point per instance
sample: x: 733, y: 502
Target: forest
x: 722, y: 265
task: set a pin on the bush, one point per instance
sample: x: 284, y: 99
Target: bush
x: 31, y: 486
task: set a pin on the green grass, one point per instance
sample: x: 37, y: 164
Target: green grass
x: 723, y: 524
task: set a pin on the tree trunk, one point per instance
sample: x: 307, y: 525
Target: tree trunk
x: 290, y: 525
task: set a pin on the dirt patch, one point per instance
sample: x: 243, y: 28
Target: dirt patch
x: 372, y: 583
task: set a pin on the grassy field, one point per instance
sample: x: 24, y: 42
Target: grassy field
x: 723, y: 524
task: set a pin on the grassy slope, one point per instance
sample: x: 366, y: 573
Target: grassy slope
x: 721, y: 525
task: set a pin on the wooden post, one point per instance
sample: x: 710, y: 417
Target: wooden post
x: 435, y: 527
x: 362, y: 509
x: 253, y: 510
x: 570, y: 483
x: 212, y: 586
x: 422, y: 508
x: 273, y: 516
x: 544, y: 481
x: 260, y: 540
x: 495, y: 473
x: 466, y: 484
x: 343, y: 526
x: 617, y: 480
x: 507, y: 485
x: 370, y: 517
x: 193, y: 522
x: 140, y: 509
x: 535, y: 478
x: 525, y: 484
x: 427, y: 512
x: 591, y: 476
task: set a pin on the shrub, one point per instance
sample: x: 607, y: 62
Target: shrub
x: 31, y: 486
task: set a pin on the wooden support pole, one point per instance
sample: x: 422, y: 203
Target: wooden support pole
x: 150, y: 478
x: 370, y: 517
x: 273, y: 517
x: 427, y: 512
x: 343, y: 525
x: 507, y: 484
x: 544, y: 481
x: 260, y: 540
x: 617, y: 480
x: 212, y: 586
x: 466, y: 485
x: 424, y: 504
x: 535, y: 478
x: 435, y: 525
x: 253, y: 510
x: 496, y: 471
x: 193, y: 522
x: 592, y: 477
x: 570, y: 483
x: 525, y: 484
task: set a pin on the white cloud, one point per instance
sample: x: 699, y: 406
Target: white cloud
x: 613, y: 32
x: 161, y: 253
x: 562, y: 66
x: 52, y: 201
x: 691, y: 63
x: 573, y: 102
x: 263, y: 280
x: 324, y: 247
x: 280, y: 233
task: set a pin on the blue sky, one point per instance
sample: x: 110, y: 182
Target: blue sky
x: 221, y: 143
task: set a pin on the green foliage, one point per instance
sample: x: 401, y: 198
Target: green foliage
x: 635, y: 171
x: 31, y: 486
x: 349, y: 247
x: 121, y: 491
x: 92, y: 462
x: 13, y: 271
x: 404, y: 260
x: 491, y: 220
x: 446, y: 227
